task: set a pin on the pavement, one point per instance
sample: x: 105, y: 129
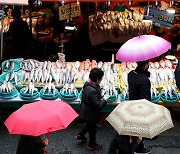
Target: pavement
x: 63, y: 141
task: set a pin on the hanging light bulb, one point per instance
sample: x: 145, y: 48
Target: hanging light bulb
x: 147, y: 20
x: 109, y: 2
x: 156, y: 3
x: 171, y: 9
x: 37, y: 3
x: 130, y: 2
x: 62, y: 2
x: 77, y: 2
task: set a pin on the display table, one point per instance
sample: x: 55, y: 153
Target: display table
x: 17, y: 102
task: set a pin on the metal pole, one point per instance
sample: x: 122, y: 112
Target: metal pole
x: 2, y: 29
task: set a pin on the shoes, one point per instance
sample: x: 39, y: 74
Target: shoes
x: 95, y: 147
x: 142, y: 151
x: 81, y: 138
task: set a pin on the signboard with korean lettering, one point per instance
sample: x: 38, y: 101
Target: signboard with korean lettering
x: 64, y: 11
x: 161, y: 17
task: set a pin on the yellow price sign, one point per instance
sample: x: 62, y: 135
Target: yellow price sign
x: 64, y: 11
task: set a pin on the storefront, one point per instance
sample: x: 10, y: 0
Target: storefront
x: 29, y: 80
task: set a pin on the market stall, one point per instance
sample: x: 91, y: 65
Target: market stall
x: 29, y: 80
x: 25, y: 81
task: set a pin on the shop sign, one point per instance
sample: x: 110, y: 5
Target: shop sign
x: 159, y: 17
x: 64, y: 11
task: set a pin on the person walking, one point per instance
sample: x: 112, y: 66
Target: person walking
x: 20, y: 34
x: 140, y: 88
x: 123, y: 144
x: 91, y: 106
x: 31, y: 145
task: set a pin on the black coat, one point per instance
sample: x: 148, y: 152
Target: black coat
x: 120, y: 144
x: 91, y: 103
x: 139, y: 85
x: 177, y: 74
x: 30, y: 145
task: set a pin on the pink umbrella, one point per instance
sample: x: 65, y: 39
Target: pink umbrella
x: 40, y: 117
x: 142, y: 48
x: 22, y: 2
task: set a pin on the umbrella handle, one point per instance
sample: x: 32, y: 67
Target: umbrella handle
x: 49, y: 135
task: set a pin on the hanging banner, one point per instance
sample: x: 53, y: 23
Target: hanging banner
x: 14, y: 2
x: 159, y: 17
x: 64, y: 11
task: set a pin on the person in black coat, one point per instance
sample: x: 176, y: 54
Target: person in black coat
x: 140, y: 88
x: 91, y: 106
x: 123, y: 144
x: 20, y: 35
x: 31, y: 145
x: 177, y: 74
x: 139, y: 83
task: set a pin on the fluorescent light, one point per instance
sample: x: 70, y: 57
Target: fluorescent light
x: 70, y: 28
x: 170, y: 10
x: 147, y: 21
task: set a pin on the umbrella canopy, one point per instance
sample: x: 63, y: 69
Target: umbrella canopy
x: 140, y: 118
x: 40, y: 117
x: 142, y: 48
x: 20, y: 2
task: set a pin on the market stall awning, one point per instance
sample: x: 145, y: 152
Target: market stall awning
x: 15, y: 2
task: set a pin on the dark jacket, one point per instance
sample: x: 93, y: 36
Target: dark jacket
x: 177, y: 74
x: 139, y: 85
x: 91, y: 102
x: 30, y: 145
x: 20, y: 34
x: 120, y: 144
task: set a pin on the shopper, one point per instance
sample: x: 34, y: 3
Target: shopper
x: 139, y: 88
x: 31, y: 145
x: 123, y: 144
x: 20, y: 34
x: 91, y: 106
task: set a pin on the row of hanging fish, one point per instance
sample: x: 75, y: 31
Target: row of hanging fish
x: 7, y: 87
x: 69, y: 89
x: 30, y: 88
x: 29, y: 64
x: 12, y: 76
x: 161, y: 73
x: 110, y: 90
x: 49, y: 88
x: 46, y: 73
x: 127, y: 22
x: 169, y: 91
x: 9, y: 65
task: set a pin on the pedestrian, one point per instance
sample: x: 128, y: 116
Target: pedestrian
x: 177, y: 74
x: 31, y: 145
x: 139, y: 88
x: 123, y: 144
x: 91, y: 105
x: 20, y: 35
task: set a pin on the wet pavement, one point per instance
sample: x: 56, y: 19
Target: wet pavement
x: 63, y: 142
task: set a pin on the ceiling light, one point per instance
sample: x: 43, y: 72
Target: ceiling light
x: 70, y: 28
x: 147, y: 21
x: 170, y: 9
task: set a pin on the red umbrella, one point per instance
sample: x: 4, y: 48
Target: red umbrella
x: 40, y: 117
